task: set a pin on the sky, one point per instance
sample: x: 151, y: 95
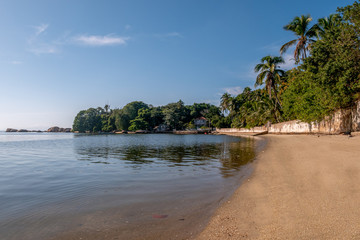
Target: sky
x: 59, y: 57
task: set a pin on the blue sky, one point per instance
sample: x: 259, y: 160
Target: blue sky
x: 59, y: 57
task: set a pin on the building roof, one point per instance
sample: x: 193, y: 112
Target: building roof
x: 200, y: 118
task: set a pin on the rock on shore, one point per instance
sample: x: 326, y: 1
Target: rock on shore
x: 58, y: 129
x: 11, y: 130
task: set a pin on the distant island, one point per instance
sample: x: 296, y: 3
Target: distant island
x: 52, y: 129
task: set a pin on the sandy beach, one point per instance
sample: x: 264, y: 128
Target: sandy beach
x: 303, y: 187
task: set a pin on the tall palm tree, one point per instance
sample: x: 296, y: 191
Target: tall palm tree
x: 301, y: 27
x: 270, y: 74
x: 107, y: 107
x: 226, y: 102
x: 326, y: 24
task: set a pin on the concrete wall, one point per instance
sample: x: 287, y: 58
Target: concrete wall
x: 343, y: 120
x: 355, y: 121
x: 243, y: 130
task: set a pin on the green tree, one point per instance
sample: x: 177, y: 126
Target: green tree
x: 131, y: 109
x: 176, y: 115
x: 156, y: 117
x: 327, y: 24
x: 80, y: 121
x: 226, y: 102
x: 304, y: 33
x: 127, y: 113
x: 253, y: 108
x: 351, y: 14
x: 122, y: 120
x: 270, y: 74
x: 108, y: 122
x: 221, y: 122
x: 88, y: 120
x: 138, y: 124
x: 107, y: 108
x: 329, y: 78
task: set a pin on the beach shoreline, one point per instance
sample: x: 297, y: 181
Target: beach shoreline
x: 302, y: 187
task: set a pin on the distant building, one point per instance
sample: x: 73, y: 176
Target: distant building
x: 162, y: 128
x: 200, y: 122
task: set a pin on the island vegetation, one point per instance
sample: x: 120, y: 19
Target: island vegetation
x: 141, y: 116
x: 325, y: 78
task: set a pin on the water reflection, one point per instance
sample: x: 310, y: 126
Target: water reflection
x: 74, y: 183
x: 227, y: 155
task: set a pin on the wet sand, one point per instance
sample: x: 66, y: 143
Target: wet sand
x: 303, y: 187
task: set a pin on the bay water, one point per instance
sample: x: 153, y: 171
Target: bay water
x: 110, y: 186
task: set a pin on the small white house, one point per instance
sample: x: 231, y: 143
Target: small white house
x: 162, y: 128
x: 200, y: 122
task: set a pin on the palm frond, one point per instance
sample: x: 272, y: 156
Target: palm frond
x: 280, y: 72
x: 315, y: 30
x: 266, y: 59
x: 278, y: 60
x: 297, y: 53
x: 258, y: 67
x: 260, y: 78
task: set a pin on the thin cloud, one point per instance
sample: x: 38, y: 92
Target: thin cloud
x: 233, y: 90
x: 215, y: 102
x: 289, y: 61
x: 38, y: 45
x: 44, y: 50
x: 15, y: 62
x: 96, y: 40
x: 169, y: 35
x: 174, y: 34
x: 40, y: 29
x: 272, y: 47
x: 127, y: 27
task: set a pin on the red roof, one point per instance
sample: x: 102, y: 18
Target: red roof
x: 201, y: 118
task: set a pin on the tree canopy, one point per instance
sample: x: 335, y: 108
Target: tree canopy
x: 140, y: 116
x: 327, y: 77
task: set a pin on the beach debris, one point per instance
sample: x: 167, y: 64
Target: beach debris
x: 159, y: 216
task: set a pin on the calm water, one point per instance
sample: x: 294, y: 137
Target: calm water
x: 67, y: 186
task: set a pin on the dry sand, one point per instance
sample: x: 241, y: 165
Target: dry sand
x: 303, y: 187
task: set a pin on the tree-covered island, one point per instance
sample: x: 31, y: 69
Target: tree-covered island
x: 141, y: 116
x: 326, y: 78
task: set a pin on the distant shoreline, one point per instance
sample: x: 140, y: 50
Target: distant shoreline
x: 52, y: 129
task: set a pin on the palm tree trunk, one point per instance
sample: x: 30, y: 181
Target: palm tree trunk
x: 275, y: 110
x: 277, y: 102
x: 276, y: 96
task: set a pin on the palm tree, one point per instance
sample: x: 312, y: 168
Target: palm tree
x: 226, y: 102
x: 270, y: 74
x: 300, y: 26
x: 326, y: 24
x: 107, y: 107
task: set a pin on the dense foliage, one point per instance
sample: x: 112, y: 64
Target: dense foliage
x: 140, y: 116
x: 250, y: 108
x: 327, y: 76
x: 94, y: 120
